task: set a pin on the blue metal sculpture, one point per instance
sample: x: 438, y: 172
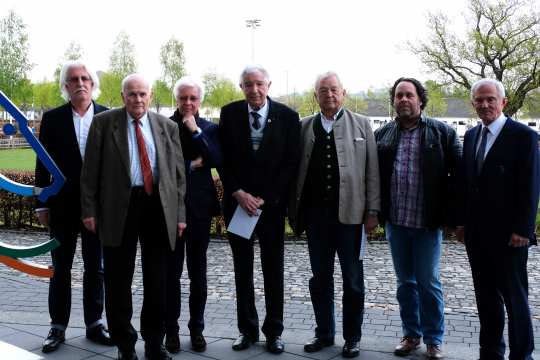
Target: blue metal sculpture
x: 29, y: 190
x: 10, y: 254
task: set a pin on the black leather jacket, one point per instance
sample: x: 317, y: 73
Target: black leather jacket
x: 440, y: 158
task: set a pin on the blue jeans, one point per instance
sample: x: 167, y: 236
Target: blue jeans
x: 416, y: 254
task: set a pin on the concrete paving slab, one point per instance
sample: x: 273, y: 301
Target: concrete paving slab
x: 12, y: 352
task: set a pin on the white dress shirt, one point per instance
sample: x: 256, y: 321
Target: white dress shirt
x: 494, y: 129
x: 328, y: 124
x: 82, y: 125
x: 263, y: 112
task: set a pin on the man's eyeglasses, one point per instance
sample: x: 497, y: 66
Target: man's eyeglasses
x: 76, y: 79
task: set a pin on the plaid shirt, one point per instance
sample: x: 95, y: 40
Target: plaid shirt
x: 406, y: 194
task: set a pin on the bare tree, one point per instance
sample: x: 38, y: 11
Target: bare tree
x: 503, y: 42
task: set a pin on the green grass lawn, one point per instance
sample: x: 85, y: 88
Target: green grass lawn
x: 17, y: 159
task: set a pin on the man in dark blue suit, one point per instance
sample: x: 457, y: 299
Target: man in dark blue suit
x: 63, y: 133
x: 202, y: 152
x: 501, y: 179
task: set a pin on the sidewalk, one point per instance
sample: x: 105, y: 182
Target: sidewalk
x: 24, y: 315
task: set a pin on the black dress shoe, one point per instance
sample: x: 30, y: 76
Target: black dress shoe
x: 53, y: 340
x: 317, y: 344
x: 243, y: 342
x: 157, y: 352
x: 172, y: 343
x: 127, y: 355
x: 100, y: 335
x: 275, y: 345
x: 350, y: 349
x: 198, y: 342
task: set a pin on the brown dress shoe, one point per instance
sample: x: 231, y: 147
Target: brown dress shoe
x: 434, y: 351
x: 406, y: 346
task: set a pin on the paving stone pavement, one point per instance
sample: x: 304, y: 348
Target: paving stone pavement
x: 24, y: 314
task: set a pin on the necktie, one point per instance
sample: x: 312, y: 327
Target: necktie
x: 143, y: 157
x: 481, y: 150
x: 256, y: 122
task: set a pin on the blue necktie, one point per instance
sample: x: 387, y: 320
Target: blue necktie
x: 481, y: 150
x: 256, y: 124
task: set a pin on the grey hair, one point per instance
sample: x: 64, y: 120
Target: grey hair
x: 130, y: 77
x: 250, y: 69
x: 187, y: 81
x: 325, y: 75
x: 498, y: 85
x: 77, y: 64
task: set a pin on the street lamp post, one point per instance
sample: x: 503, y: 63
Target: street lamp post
x: 253, y: 24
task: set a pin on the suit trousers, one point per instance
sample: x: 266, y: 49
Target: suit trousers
x: 195, y: 240
x: 145, y: 222
x: 270, y: 231
x: 66, y: 233
x: 500, y: 280
x: 326, y: 236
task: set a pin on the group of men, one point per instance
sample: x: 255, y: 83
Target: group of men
x: 134, y: 176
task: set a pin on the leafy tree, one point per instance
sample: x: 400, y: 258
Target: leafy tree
x: 122, y: 60
x: 172, y: 61
x: 23, y: 95
x: 219, y: 91
x: 46, y: 95
x: 73, y: 52
x: 436, y: 105
x: 503, y: 42
x: 355, y: 103
x: 110, y: 86
x: 14, y: 62
x: 531, y: 106
x: 161, y: 94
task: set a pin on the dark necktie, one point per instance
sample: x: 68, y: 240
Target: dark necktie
x: 256, y: 122
x: 143, y: 157
x: 481, y: 150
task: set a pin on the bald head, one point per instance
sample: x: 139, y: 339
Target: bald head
x: 136, y: 94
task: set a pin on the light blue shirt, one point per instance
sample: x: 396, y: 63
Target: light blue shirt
x: 135, y: 163
x: 494, y: 129
x: 263, y: 111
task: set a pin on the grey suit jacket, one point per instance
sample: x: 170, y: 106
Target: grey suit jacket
x: 359, y: 187
x: 106, y: 177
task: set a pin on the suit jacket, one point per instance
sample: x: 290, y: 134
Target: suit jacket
x: 503, y: 198
x: 57, y: 134
x: 201, y: 196
x: 359, y: 188
x: 106, y: 176
x: 268, y: 171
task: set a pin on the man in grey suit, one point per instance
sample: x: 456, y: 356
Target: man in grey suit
x: 337, y: 191
x: 132, y: 187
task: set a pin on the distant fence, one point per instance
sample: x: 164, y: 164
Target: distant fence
x: 13, y: 142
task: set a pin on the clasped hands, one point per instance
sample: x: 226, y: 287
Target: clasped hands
x: 248, y: 202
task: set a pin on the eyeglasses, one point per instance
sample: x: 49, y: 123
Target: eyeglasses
x: 76, y: 79
x: 186, y: 98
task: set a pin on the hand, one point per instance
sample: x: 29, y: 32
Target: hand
x: 197, y: 163
x: 189, y: 122
x: 248, y: 202
x: 370, y: 223
x: 460, y: 234
x: 181, y: 227
x: 518, y: 241
x: 43, y: 217
x: 90, y: 224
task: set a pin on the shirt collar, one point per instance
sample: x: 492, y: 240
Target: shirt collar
x: 89, y: 111
x: 263, y: 111
x: 496, y: 126
x: 333, y: 118
x: 143, y: 120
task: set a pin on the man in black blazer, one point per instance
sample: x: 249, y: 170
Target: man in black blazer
x: 260, y: 140
x: 501, y: 182
x: 63, y: 133
x: 202, y: 152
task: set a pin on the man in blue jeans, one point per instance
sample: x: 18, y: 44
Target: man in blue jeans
x: 418, y: 157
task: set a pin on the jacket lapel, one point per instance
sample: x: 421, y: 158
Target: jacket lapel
x: 159, y: 136
x: 269, y: 128
x: 499, y: 143
x: 120, y: 135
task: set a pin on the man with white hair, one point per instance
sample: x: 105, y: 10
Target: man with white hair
x: 63, y: 133
x: 260, y: 141
x: 202, y: 152
x: 132, y: 190
x: 501, y: 186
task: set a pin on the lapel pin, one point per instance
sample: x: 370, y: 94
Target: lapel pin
x: 269, y: 121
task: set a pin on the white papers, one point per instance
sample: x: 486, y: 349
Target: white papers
x: 242, y: 224
x: 363, y: 244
